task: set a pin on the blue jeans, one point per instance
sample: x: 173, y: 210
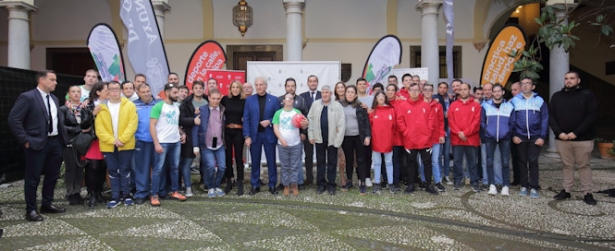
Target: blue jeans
x: 377, y: 162
x: 470, y: 153
x: 492, y: 156
x: 118, y: 165
x: 497, y: 165
x: 256, y: 149
x: 435, y: 164
x: 290, y: 163
x: 184, y: 167
x: 171, y: 152
x: 210, y: 157
x: 399, y: 153
x: 445, y: 164
x: 144, y: 152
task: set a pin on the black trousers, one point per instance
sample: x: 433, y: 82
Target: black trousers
x: 308, y: 149
x: 413, y: 165
x: 46, y: 162
x: 233, y: 141
x: 368, y: 159
x: 73, y: 175
x: 528, y: 164
x: 326, y: 163
x: 352, y: 146
x: 515, y: 162
x: 95, y: 175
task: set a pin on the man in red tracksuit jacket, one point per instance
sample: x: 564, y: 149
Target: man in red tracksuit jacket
x: 412, y: 116
x: 464, y: 123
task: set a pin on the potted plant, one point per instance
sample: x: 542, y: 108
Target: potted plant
x: 606, y: 148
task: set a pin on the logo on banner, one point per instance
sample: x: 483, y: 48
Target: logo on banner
x: 385, y: 55
x: 498, y: 64
x: 105, y: 51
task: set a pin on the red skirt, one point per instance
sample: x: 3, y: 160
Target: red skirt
x: 94, y: 151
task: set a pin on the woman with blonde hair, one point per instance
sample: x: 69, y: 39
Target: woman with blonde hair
x: 234, y: 104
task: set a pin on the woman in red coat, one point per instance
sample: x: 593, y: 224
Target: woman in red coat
x: 398, y: 144
x: 382, y: 120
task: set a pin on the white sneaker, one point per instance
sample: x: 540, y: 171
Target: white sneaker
x: 189, y: 192
x: 492, y: 190
x: 368, y: 182
x: 505, y: 191
x: 448, y: 180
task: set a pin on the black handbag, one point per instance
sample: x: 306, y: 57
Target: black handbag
x: 82, y: 143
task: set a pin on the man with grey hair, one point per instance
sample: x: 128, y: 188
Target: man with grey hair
x: 247, y: 89
x: 258, y: 132
x: 326, y: 130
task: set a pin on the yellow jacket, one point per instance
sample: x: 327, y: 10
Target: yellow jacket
x: 127, y: 127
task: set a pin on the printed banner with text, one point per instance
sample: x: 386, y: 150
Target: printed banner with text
x: 209, y: 55
x: 106, y: 53
x: 224, y: 78
x: 145, y: 47
x: 499, y: 64
x: 385, y: 55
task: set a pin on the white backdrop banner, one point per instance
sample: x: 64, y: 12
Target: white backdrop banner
x: 276, y: 73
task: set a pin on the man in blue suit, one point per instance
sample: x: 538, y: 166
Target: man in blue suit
x: 309, y: 96
x: 258, y: 132
x: 37, y: 123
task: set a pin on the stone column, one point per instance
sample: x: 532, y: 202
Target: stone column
x: 161, y: 7
x: 430, y: 53
x: 294, y: 34
x: 559, y: 64
x: 19, y: 32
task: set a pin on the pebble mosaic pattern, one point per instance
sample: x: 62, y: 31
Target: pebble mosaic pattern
x: 454, y: 220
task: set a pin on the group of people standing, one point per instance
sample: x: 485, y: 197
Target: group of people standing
x: 146, y: 145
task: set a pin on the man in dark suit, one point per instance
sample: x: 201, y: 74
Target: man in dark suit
x: 258, y: 132
x: 36, y: 122
x: 310, y: 96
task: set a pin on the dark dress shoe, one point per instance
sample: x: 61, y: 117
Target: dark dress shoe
x: 139, y: 201
x: 320, y: 190
x: 164, y: 197
x: 562, y: 195
x: 239, y: 188
x: 273, y: 190
x: 34, y: 216
x: 410, y: 189
x: 51, y: 209
x: 301, y: 187
x: 254, y: 191
x: 91, y: 201
x: 229, y: 186
x: 100, y: 198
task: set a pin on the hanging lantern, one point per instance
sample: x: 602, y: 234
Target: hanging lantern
x: 242, y: 16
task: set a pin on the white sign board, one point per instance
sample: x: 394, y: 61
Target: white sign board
x: 276, y: 73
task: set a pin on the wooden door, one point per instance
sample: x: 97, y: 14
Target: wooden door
x: 71, y: 61
x: 239, y: 55
x: 240, y: 59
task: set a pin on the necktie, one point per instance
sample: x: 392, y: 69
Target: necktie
x: 312, y: 96
x: 49, y: 113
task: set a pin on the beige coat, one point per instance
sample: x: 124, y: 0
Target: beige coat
x: 337, y: 123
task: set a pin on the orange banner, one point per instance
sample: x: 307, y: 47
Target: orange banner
x: 208, y: 56
x: 498, y: 64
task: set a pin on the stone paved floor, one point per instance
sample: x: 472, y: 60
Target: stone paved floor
x: 454, y: 220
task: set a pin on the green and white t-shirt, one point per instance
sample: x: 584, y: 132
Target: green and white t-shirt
x: 287, y: 130
x: 167, y: 127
